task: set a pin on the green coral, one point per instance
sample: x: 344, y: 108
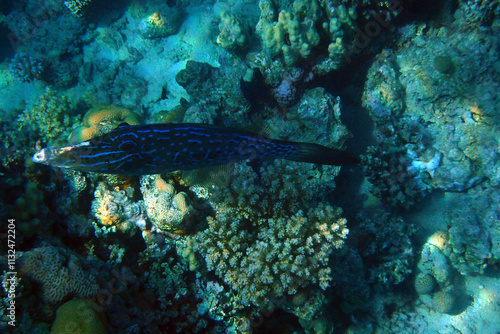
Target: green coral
x: 77, y: 7
x: 162, y: 23
x: 293, y: 39
x: 49, y: 119
x: 232, y: 32
x: 325, y: 32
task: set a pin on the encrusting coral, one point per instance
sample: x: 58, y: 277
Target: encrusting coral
x: 166, y: 208
x: 116, y: 210
x: 77, y: 316
x: 59, y: 273
x: 102, y: 119
x: 232, y: 35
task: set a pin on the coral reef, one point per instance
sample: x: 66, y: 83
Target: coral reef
x: 214, y: 92
x: 77, y: 7
x: 478, y: 12
x: 167, y: 209
x: 456, y: 106
x: 25, y: 67
x: 49, y: 119
x: 392, y: 179
x: 295, y: 30
x: 388, y: 239
x: 233, y: 34
x: 59, y: 272
x: 115, y: 210
x: 102, y: 119
x: 263, y: 245
x: 77, y: 315
x: 474, y: 231
x: 283, y: 256
x: 44, y: 30
x: 30, y: 209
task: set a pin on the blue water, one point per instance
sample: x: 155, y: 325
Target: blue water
x: 407, y: 241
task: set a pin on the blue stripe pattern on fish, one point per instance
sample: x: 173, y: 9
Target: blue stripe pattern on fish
x: 162, y: 148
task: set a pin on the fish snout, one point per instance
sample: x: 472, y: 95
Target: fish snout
x: 41, y: 156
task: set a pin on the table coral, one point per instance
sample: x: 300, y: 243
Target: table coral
x: 59, y: 272
x: 102, y: 119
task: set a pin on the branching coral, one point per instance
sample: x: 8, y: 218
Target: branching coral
x: 394, y: 181
x: 49, y: 119
x: 385, y: 242
x: 77, y: 7
x: 279, y: 257
x: 26, y: 68
x: 290, y: 37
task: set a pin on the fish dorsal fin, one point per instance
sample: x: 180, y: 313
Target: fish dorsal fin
x: 123, y: 125
x: 261, y: 128
x: 208, y: 176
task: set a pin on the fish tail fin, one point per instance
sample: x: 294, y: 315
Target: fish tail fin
x: 319, y: 154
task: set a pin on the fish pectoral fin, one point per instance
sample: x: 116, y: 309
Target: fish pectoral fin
x: 208, y: 176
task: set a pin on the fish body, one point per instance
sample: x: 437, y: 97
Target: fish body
x: 162, y: 148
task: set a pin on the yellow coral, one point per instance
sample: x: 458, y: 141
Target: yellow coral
x: 292, y: 38
x: 232, y: 34
x: 102, y: 119
x: 77, y: 316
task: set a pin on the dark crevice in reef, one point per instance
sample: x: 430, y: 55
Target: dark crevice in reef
x: 348, y: 83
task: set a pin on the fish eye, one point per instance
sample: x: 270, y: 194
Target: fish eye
x: 127, y: 145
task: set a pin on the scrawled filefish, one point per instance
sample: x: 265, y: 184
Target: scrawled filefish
x: 161, y: 148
